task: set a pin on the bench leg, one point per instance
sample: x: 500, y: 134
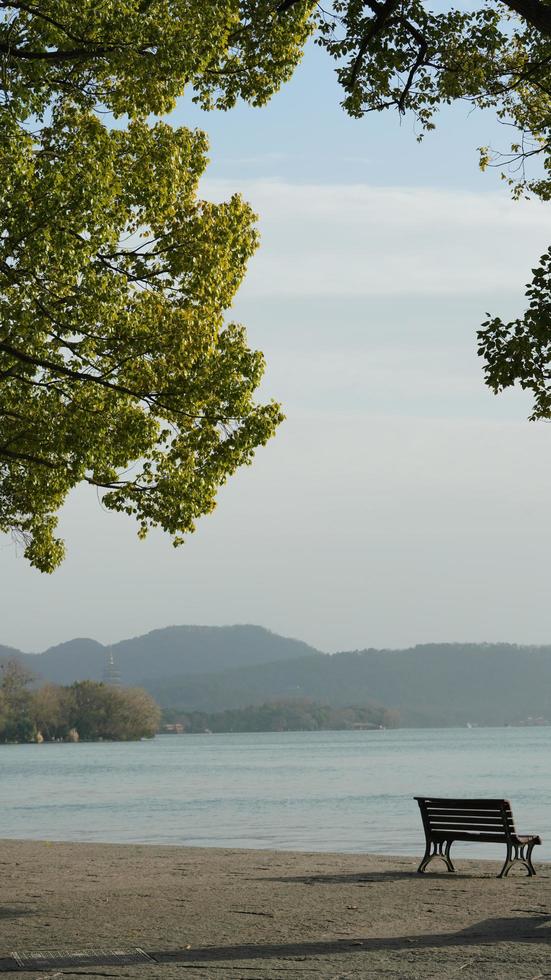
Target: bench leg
x: 425, y: 861
x: 518, y: 854
x: 439, y: 850
x: 509, y: 861
x: 447, y: 857
x: 529, y: 865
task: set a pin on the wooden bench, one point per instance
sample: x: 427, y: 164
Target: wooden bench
x: 446, y: 821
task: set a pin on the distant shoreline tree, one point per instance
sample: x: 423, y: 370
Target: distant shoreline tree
x: 295, y: 715
x: 87, y: 711
x: 98, y: 711
x: 16, y: 718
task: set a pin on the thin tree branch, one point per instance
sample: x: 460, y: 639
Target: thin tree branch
x: 383, y: 12
x: 30, y: 458
x: 64, y: 371
x: 533, y: 12
x: 35, y: 12
x: 71, y: 54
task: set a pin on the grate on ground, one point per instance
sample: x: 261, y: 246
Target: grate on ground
x: 44, y: 959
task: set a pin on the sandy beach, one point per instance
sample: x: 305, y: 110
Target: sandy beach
x: 212, y: 913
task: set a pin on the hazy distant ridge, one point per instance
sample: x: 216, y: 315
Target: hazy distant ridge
x: 438, y: 684
x: 175, y: 650
x: 216, y: 668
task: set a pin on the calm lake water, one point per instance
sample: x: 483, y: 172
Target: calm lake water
x: 326, y: 791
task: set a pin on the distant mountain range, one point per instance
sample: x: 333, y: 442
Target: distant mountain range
x: 173, y: 651
x: 206, y: 668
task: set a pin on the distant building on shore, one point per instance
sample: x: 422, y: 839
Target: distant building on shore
x: 111, y: 673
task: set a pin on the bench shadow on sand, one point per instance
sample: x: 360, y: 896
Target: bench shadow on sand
x: 13, y: 912
x: 360, y: 877
x: 525, y: 929
x: 518, y: 929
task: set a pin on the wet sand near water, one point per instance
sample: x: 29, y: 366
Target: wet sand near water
x: 267, y: 915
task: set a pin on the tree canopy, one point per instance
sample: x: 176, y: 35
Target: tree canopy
x: 117, y: 366
x: 297, y: 715
x: 412, y: 57
x: 115, y: 363
x: 85, y: 711
x: 137, y: 56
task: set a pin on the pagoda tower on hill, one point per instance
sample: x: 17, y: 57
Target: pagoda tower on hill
x: 111, y: 673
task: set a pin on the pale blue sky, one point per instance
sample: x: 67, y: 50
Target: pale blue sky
x: 401, y: 502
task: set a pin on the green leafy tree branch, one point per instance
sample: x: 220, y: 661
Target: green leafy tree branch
x: 407, y: 56
x: 117, y: 365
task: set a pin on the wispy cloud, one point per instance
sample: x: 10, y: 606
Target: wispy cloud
x: 256, y: 158
x: 362, y: 240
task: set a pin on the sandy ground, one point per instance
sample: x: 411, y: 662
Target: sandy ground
x: 267, y: 915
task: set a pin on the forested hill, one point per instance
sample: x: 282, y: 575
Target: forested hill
x: 199, y: 668
x: 173, y: 651
x: 437, y: 684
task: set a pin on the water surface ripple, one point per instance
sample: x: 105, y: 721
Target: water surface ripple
x: 321, y: 791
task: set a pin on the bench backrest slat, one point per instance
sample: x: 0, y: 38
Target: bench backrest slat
x: 451, y: 812
x: 462, y: 804
x: 466, y: 816
x: 473, y: 828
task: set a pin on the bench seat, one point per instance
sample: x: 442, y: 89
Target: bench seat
x: 487, y: 821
